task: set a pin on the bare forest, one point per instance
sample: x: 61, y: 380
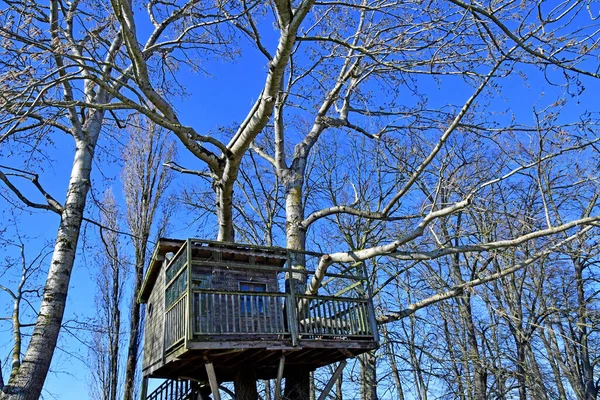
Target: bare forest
x: 449, y: 146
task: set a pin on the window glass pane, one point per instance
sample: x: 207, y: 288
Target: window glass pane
x: 176, y: 289
x: 250, y: 303
x: 253, y: 287
x: 175, y: 266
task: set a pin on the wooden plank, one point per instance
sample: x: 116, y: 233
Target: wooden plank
x: 336, y: 375
x: 348, y: 288
x: 245, y: 344
x: 279, y: 377
x: 189, y: 315
x: 144, y: 388
x: 212, y: 379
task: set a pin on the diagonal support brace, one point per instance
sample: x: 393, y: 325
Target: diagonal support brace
x: 336, y: 375
x: 279, y: 378
x: 212, y: 379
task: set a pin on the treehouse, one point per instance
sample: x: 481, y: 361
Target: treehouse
x: 214, y: 309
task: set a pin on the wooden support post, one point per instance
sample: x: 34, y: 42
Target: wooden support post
x: 336, y: 375
x: 212, y: 379
x: 189, y: 314
x: 292, y: 304
x: 144, y: 389
x: 370, y: 308
x: 279, y: 378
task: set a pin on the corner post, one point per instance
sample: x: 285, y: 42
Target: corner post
x: 371, y: 307
x: 292, y: 314
x: 188, y: 310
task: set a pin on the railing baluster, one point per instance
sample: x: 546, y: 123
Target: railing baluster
x: 239, y: 308
x: 327, y: 328
x: 330, y: 317
x: 278, y: 310
x: 264, y: 312
x: 233, y: 309
x: 211, y: 313
x: 226, y: 313
x: 253, y: 313
x: 268, y: 313
x: 220, y: 308
x: 311, y: 317
x: 363, y: 318
x: 321, y: 318
x: 337, y: 317
x: 246, y: 299
x: 347, y: 317
x: 351, y: 319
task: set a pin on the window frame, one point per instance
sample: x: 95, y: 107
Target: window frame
x: 246, y: 301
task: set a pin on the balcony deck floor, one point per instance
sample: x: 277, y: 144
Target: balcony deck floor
x: 261, y: 357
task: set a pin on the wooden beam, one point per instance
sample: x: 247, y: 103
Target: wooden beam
x: 212, y: 379
x: 279, y: 378
x: 336, y: 375
x: 144, y: 389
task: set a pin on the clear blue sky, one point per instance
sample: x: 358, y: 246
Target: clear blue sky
x: 217, y: 100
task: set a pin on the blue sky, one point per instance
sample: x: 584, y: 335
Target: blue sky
x: 220, y: 98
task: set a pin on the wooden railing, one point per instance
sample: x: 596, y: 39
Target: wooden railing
x: 332, y: 316
x: 238, y: 313
x: 316, y: 317
x: 197, y: 312
x: 174, y: 390
x: 175, y: 322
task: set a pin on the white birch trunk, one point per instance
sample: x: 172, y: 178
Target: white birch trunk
x: 28, y: 382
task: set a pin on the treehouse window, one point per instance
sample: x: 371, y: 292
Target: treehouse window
x: 175, y: 289
x: 175, y: 266
x: 253, y: 303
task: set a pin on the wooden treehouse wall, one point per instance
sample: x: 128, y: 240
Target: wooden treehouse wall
x: 154, y: 325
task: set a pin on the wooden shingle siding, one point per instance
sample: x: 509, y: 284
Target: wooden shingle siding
x: 154, y: 324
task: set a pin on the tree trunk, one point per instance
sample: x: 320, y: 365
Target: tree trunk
x: 297, y: 384
x: 224, y: 204
x: 480, y: 375
x: 134, y: 341
x: 134, y: 323
x: 521, y: 371
x: 115, y: 336
x: 389, y: 349
x: 590, y: 390
x: 28, y: 382
x: 245, y: 385
x: 368, y: 368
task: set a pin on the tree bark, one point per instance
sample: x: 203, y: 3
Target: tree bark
x: 28, y: 382
x: 134, y: 338
x: 368, y: 368
x: 224, y: 205
x: 297, y: 383
x: 245, y: 385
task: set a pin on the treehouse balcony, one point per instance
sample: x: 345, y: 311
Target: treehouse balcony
x: 231, y: 305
